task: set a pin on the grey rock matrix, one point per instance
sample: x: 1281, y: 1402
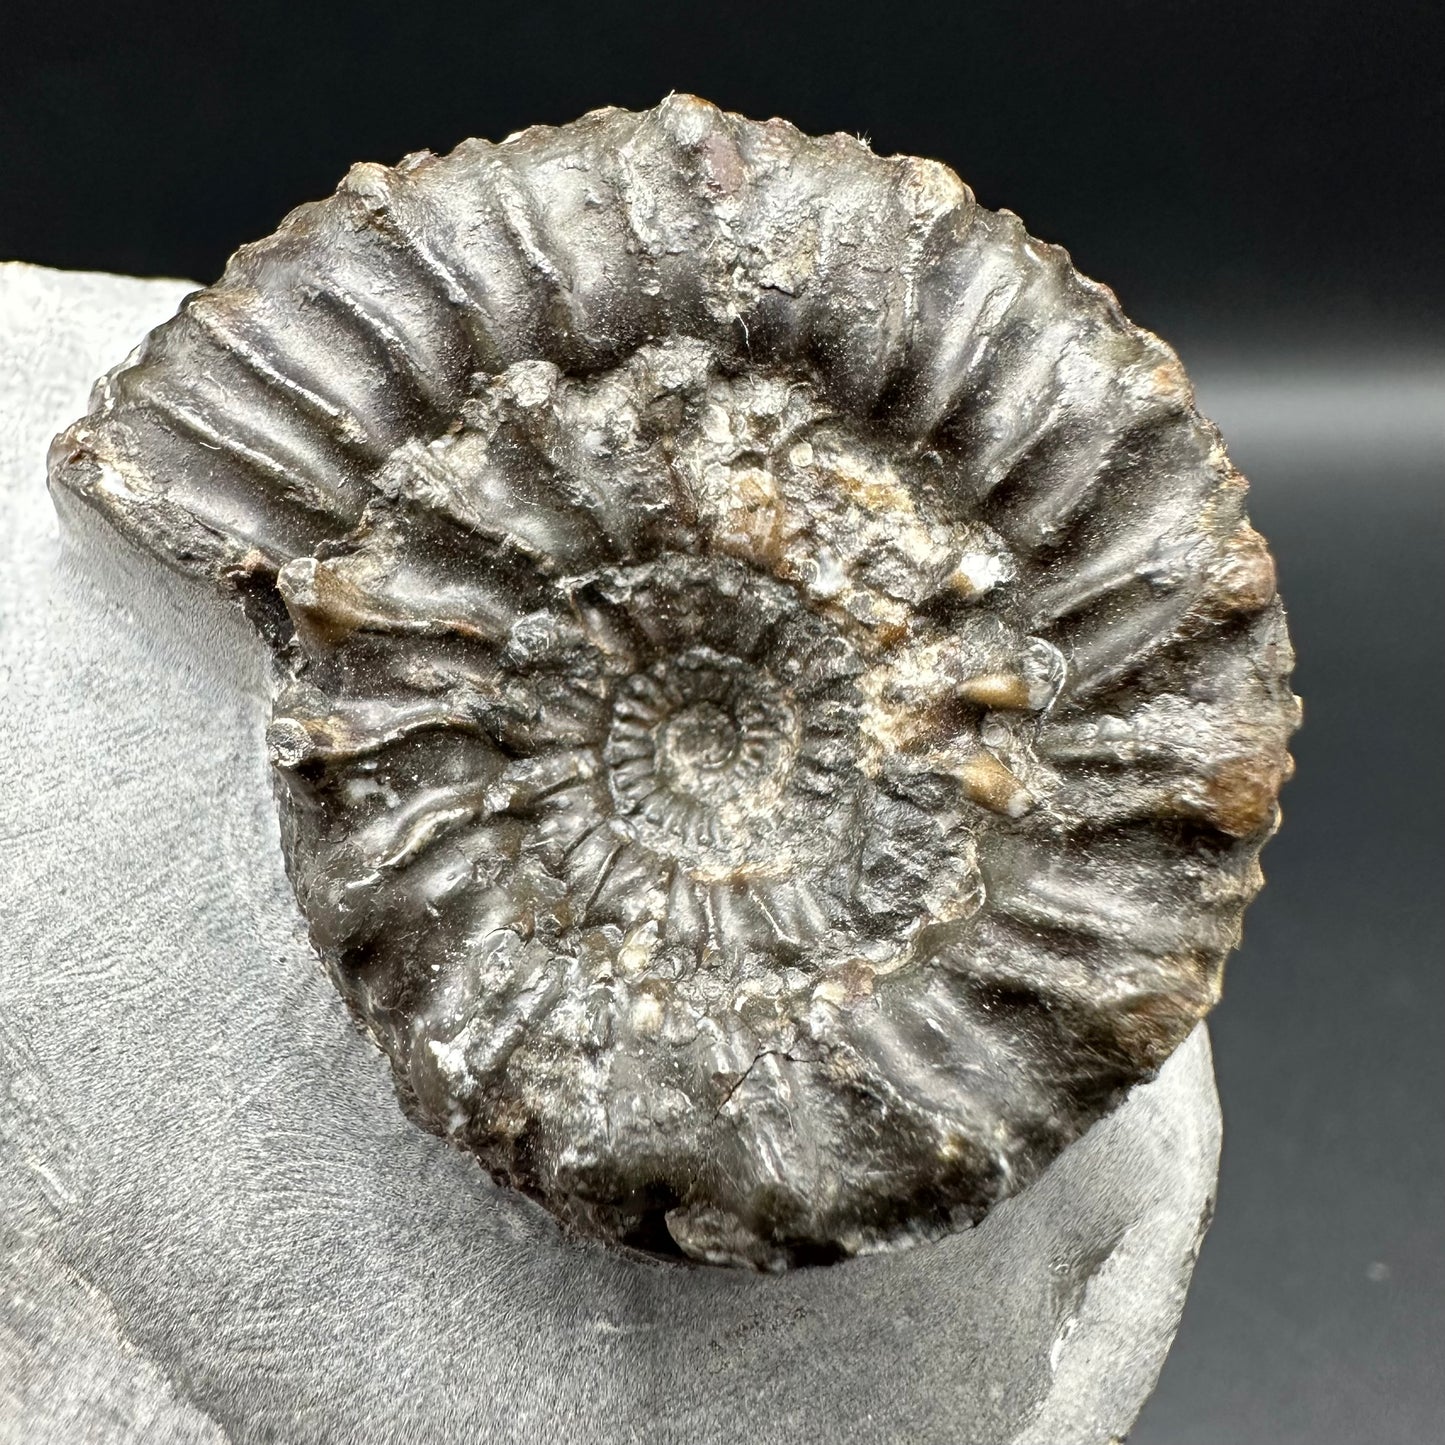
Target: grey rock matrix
x: 214, y: 1224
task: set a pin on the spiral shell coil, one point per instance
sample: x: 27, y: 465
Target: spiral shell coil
x: 778, y: 702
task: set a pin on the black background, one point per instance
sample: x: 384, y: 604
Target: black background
x: 1260, y: 183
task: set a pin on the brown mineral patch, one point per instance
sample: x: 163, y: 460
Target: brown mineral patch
x: 890, y: 632
x: 876, y: 489
x: 1170, y: 380
x: 324, y: 606
x: 987, y: 782
x: 961, y: 581
x: 900, y: 718
x: 1152, y: 1026
x: 753, y: 522
x: 1244, y: 576
x: 1241, y: 792
x: 997, y: 690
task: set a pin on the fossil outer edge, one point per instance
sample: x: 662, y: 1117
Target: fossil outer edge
x: 778, y: 702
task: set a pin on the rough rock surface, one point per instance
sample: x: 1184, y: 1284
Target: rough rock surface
x: 779, y: 700
x: 215, y: 1226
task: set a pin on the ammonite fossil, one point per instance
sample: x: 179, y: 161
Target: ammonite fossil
x: 778, y: 702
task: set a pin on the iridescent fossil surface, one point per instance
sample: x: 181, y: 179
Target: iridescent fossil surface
x: 778, y: 702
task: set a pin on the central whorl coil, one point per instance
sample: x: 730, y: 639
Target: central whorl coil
x: 778, y: 701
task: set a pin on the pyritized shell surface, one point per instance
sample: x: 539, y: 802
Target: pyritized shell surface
x: 778, y: 701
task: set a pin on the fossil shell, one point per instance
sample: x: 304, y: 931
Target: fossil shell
x: 778, y: 701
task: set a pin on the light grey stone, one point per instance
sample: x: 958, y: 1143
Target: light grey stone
x: 215, y: 1224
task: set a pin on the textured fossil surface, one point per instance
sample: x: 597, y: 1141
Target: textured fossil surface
x: 778, y: 701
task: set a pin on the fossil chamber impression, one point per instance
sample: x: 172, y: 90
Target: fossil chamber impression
x: 777, y: 702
